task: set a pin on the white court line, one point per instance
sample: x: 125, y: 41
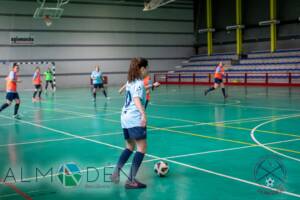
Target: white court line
x: 180, y: 126
x: 242, y: 106
x: 189, y: 121
x: 65, y: 118
x: 172, y: 157
x: 168, y: 160
x: 46, y: 120
x: 59, y: 139
x: 117, y: 133
x: 252, y: 134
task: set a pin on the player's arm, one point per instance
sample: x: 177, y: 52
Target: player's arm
x: 140, y: 107
x: 154, y: 85
x: 93, y: 76
x: 34, y: 76
x: 121, y: 90
x: 13, y: 78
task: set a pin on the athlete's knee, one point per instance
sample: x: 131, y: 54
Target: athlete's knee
x: 130, y: 145
x: 142, y: 146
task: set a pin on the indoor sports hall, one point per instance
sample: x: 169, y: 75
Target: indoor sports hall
x: 222, y: 121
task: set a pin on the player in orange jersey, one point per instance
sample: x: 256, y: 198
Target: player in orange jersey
x: 11, y: 90
x: 219, y: 74
x: 37, y: 82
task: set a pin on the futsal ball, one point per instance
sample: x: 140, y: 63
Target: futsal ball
x: 161, y: 168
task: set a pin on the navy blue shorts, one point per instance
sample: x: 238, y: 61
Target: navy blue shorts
x: 135, y: 133
x: 218, y: 81
x: 10, y: 96
x: 38, y: 87
x: 100, y: 85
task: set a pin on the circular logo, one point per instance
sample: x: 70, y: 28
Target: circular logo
x: 69, y: 175
x: 271, y: 172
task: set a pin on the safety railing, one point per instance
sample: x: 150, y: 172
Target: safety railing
x: 233, y: 78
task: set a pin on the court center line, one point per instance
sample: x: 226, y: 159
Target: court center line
x: 167, y: 160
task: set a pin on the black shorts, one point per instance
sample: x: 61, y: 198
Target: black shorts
x: 135, y: 133
x: 38, y: 87
x: 218, y: 81
x: 49, y: 81
x: 100, y: 85
x: 10, y: 96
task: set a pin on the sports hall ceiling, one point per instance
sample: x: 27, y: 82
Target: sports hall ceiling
x: 176, y: 4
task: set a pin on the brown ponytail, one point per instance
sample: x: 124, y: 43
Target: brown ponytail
x: 134, y: 70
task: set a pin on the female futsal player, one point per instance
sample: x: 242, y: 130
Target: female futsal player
x: 147, y: 81
x: 11, y: 90
x: 219, y: 73
x: 37, y: 82
x: 134, y: 121
x: 97, y: 78
x: 49, y: 79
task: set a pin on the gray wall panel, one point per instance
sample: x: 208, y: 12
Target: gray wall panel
x: 78, y: 52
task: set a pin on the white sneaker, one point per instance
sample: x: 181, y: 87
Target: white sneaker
x: 108, y: 98
x: 17, y: 116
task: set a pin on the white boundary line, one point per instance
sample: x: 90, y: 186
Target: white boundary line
x: 174, y: 119
x: 177, y: 156
x: 168, y: 160
x: 59, y: 139
x: 252, y: 134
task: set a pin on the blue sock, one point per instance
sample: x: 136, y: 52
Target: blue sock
x: 136, y: 163
x: 223, y: 91
x: 5, y: 105
x: 122, y: 160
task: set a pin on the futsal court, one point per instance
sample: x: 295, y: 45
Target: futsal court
x: 205, y: 140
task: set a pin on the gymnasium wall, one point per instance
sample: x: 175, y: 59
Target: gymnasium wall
x: 255, y: 38
x: 96, y: 33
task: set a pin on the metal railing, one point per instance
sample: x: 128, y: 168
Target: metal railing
x: 232, y: 78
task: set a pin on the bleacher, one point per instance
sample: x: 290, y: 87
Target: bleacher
x: 282, y: 66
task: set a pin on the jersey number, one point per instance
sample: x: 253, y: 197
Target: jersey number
x: 128, y: 99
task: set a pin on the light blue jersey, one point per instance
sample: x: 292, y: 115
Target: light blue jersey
x: 131, y: 116
x: 97, y: 77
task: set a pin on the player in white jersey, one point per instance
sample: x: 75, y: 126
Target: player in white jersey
x: 133, y: 121
x: 97, y: 80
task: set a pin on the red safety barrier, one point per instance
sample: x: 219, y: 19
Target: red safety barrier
x: 231, y: 78
x: 105, y: 79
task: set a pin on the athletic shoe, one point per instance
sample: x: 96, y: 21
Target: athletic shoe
x: 226, y: 96
x: 134, y: 184
x: 108, y: 98
x: 17, y: 116
x: 115, y: 178
x: 205, y: 93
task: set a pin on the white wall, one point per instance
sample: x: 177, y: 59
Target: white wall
x: 108, y: 35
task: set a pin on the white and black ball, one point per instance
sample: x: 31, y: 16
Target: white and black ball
x: 161, y: 168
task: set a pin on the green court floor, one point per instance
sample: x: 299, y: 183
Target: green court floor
x: 247, y: 147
